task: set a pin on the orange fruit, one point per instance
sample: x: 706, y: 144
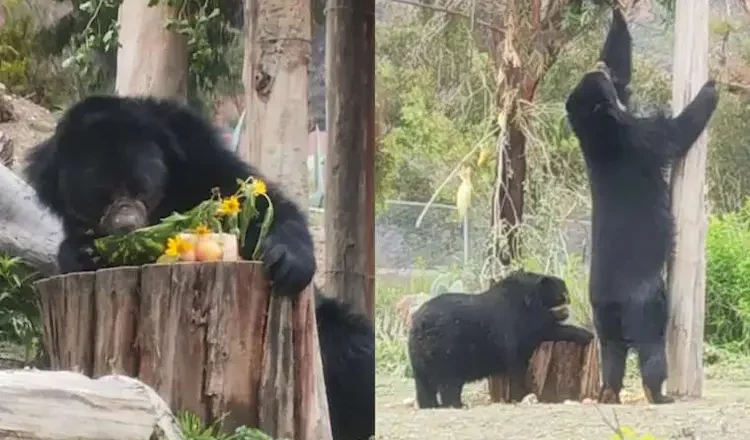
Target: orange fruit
x: 190, y: 255
x: 208, y: 250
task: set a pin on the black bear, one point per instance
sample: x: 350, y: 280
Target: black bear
x: 115, y: 164
x: 632, y: 227
x: 347, y: 347
x: 457, y: 338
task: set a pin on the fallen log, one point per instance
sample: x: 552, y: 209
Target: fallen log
x: 54, y: 405
x: 197, y: 333
x: 558, y: 371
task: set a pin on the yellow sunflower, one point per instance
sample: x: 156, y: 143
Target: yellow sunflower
x: 202, y: 230
x: 259, y: 187
x: 230, y: 206
x: 177, y: 246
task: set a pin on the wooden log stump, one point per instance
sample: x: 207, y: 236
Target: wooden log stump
x: 558, y: 371
x: 66, y: 405
x: 197, y: 333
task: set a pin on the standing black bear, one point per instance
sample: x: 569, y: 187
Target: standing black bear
x: 347, y: 345
x: 115, y: 164
x: 632, y: 227
x: 457, y: 338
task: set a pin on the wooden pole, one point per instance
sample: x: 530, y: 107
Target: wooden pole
x: 349, y: 101
x: 368, y: 91
x: 687, y: 268
x: 151, y: 60
x: 277, y: 55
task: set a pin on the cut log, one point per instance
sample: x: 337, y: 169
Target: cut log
x: 37, y: 404
x: 197, y: 333
x: 558, y: 371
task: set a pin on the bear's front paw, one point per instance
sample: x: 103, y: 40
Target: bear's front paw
x: 88, y: 257
x: 79, y: 257
x: 290, y: 267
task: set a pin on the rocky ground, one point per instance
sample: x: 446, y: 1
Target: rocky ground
x: 23, y: 124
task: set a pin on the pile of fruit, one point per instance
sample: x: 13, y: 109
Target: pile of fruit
x: 195, y: 235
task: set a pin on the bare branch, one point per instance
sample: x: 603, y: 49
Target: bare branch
x: 452, y: 12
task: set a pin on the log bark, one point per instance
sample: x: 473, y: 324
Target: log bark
x: 558, y: 371
x: 151, y: 59
x: 195, y: 332
x: 349, y: 101
x: 277, y: 55
x: 686, y: 270
x: 37, y: 404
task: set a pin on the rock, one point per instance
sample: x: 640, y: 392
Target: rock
x: 530, y: 399
x: 6, y: 106
x: 6, y: 150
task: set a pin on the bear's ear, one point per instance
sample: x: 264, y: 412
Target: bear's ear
x: 42, y: 172
x: 547, y: 283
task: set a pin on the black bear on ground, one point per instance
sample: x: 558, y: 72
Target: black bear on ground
x: 347, y: 346
x: 115, y: 164
x: 632, y: 227
x: 457, y: 338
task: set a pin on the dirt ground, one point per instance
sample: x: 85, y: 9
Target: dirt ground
x: 722, y: 413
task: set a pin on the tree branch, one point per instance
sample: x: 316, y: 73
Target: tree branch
x: 451, y: 12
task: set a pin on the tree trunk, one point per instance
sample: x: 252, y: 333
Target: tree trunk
x: 277, y: 54
x: 193, y: 331
x: 151, y: 60
x: 687, y: 267
x: 557, y: 372
x: 350, y: 100
x: 65, y: 405
x: 508, y: 201
x: 27, y: 230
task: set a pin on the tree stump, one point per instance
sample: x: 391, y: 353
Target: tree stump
x: 198, y: 334
x: 558, y: 371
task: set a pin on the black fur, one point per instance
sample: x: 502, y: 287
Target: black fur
x: 142, y: 159
x: 347, y: 347
x: 457, y: 338
x: 115, y: 164
x: 632, y: 226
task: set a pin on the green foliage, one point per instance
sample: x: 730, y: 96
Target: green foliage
x: 728, y: 280
x: 20, y: 321
x: 215, y: 63
x: 728, y: 155
x: 434, y: 101
x: 15, y: 47
x: 22, y: 70
x: 194, y: 429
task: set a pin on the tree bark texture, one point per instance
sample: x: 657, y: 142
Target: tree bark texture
x: 62, y: 405
x: 350, y: 100
x: 277, y: 55
x: 151, y: 60
x: 557, y: 372
x: 687, y: 266
x: 195, y: 332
